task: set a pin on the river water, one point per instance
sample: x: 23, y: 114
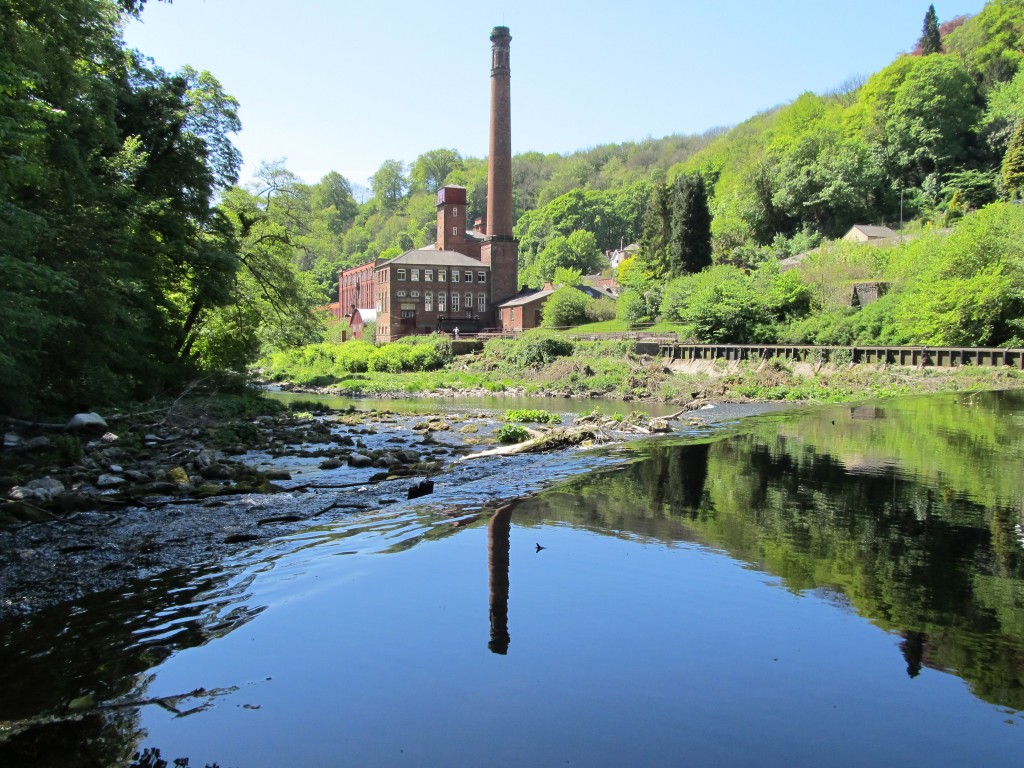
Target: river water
x: 835, y: 586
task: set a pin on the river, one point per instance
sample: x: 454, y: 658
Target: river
x: 829, y: 586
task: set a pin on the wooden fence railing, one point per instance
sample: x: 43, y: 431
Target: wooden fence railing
x: 918, y: 357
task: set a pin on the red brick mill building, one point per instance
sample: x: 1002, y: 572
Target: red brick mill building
x: 460, y: 280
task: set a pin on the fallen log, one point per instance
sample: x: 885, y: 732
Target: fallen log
x: 551, y: 441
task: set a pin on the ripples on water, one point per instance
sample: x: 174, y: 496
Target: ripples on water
x: 842, y: 586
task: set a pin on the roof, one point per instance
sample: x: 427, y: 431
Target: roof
x: 366, y: 315
x: 872, y: 230
x: 526, y: 297
x: 435, y: 258
x: 595, y: 291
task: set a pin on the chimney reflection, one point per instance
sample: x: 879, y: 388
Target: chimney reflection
x: 498, y: 543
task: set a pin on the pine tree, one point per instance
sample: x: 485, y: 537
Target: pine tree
x: 1013, y: 165
x: 931, y: 40
x: 690, y: 239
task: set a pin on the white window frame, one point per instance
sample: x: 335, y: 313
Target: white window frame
x: 400, y: 274
x: 414, y: 294
x: 456, y: 275
x: 455, y: 302
x: 428, y: 275
x: 400, y: 294
x: 468, y: 277
x: 481, y: 277
x: 428, y: 302
x: 442, y: 275
x: 469, y: 301
x: 481, y: 302
x: 415, y: 276
x: 440, y: 301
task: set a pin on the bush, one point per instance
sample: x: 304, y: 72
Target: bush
x: 534, y: 349
x: 533, y: 416
x: 566, y: 307
x: 600, y: 310
x: 512, y: 433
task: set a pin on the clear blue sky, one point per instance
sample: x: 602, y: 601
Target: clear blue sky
x: 344, y: 86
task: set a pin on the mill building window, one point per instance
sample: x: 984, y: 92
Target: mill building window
x: 428, y: 302
x: 440, y: 301
x: 416, y: 275
x: 428, y: 275
x: 455, y: 302
x: 400, y: 274
x: 442, y: 275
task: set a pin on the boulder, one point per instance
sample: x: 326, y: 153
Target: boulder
x: 333, y: 463
x: 659, y: 426
x: 86, y: 423
x: 107, y: 480
x: 43, y: 490
x: 359, y: 460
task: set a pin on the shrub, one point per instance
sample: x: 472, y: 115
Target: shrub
x: 512, y: 433
x: 532, y: 350
x: 566, y: 307
x: 534, y: 416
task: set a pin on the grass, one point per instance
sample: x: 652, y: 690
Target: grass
x: 554, y: 364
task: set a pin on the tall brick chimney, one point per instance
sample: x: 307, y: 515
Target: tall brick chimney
x: 500, y: 250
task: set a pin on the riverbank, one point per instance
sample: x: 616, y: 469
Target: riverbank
x: 648, y: 380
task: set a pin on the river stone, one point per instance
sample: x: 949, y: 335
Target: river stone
x: 44, y: 489
x: 107, y: 480
x: 177, y: 475
x: 280, y: 474
x: 86, y: 422
x: 659, y: 425
x: 332, y: 463
x: 36, y: 443
x: 359, y: 460
x: 204, y: 459
x: 12, y: 440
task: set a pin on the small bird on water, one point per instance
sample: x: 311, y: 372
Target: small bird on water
x: 539, y: 547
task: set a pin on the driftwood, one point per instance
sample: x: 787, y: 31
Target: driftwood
x: 549, y: 441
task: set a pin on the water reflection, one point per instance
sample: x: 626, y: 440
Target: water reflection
x: 899, y: 509
x: 103, y: 647
x: 499, y: 544
x: 907, y: 516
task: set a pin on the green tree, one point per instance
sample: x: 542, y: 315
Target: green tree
x: 565, y: 307
x: 431, y: 169
x: 576, y: 252
x: 1012, y: 171
x: 933, y: 117
x: 931, y: 40
x: 690, y: 227
x: 389, y: 184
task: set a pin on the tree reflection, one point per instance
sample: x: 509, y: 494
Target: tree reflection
x: 915, y: 517
x: 108, y: 658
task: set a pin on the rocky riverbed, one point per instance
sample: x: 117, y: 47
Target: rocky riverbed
x: 94, y: 506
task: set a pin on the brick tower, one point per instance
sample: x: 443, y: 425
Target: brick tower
x: 500, y: 250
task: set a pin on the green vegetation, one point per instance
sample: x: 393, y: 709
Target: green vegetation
x: 512, y: 433
x: 532, y: 416
x: 134, y: 264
